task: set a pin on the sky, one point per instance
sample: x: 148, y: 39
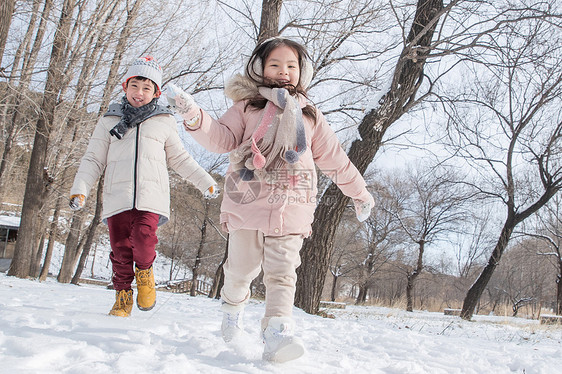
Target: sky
x: 48, y: 327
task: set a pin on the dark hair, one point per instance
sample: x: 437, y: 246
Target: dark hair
x: 144, y: 79
x: 261, y: 53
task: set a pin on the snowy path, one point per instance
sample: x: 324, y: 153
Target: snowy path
x: 54, y: 328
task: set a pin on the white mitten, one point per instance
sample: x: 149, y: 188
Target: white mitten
x: 212, y: 193
x: 183, y: 104
x: 363, y: 208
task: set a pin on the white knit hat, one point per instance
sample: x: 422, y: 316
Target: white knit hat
x: 145, y: 67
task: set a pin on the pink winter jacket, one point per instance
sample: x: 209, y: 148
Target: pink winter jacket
x: 275, y: 206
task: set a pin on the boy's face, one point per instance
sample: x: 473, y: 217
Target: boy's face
x: 139, y: 92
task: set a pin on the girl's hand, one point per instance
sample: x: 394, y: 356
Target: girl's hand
x: 179, y: 100
x: 363, y: 208
x: 183, y: 104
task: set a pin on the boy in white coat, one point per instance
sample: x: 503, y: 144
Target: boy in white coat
x: 133, y: 144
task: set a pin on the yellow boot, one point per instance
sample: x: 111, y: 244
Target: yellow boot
x: 123, y: 304
x: 146, y: 293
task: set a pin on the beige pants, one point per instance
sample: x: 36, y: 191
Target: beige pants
x: 248, y: 252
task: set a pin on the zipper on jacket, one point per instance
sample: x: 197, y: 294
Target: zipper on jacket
x: 136, y: 167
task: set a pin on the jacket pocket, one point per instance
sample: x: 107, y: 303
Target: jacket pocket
x: 108, y: 178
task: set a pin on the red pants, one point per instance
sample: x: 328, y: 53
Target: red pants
x: 132, y: 235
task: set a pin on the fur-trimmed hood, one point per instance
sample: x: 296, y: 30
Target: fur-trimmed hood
x: 240, y: 87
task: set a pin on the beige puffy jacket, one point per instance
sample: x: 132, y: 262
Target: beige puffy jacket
x: 136, y: 166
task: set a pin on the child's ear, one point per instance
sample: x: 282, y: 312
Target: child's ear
x: 124, y: 84
x: 157, y: 93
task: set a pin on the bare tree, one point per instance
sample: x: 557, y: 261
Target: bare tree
x: 549, y: 232
x: 269, y: 24
x: 430, y: 205
x: 218, y: 279
x: 400, y: 97
x: 472, y: 238
x: 204, y: 222
x: 37, y: 181
x: 27, y: 53
x: 506, y: 124
x: 89, y: 239
x: 75, y: 246
x: 380, y: 238
x: 522, y: 279
x: 6, y: 11
x: 347, y: 251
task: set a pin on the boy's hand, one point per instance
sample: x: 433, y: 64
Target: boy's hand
x: 77, y: 202
x: 212, y: 193
x: 363, y: 208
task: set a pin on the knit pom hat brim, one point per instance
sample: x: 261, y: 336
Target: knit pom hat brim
x: 146, y: 67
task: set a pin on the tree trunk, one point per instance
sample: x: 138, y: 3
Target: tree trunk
x: 91, y: 234
x: 25, y: 77
x: 48, y: 257
x: 31, y: 59
x: 53, y: 235
x: 72, y: 247
x: 11, y: 130
x: 6, y: 12
x: 84, y: 254
x: 334, y: 287
x: 197, y: 264
x: 36, y: 264
x: 408, y: 75
x: 410, y: 291
x: 35, y: 185
x: 92, y: 274
x: 362, y: 296
x: 218, y: 281
x: 173, y: 247
x: 412, y: 278
x: 112, y: 78
x: 559, y: 290
x: 475, y: 292
x: 269, y: 23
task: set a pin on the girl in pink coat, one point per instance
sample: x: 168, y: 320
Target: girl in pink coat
x: 275, y: 138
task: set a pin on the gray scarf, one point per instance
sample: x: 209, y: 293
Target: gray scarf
x: 132, y: 116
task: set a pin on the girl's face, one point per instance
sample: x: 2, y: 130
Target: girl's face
x: 282, y: 66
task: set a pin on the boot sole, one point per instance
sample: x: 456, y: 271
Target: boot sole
x: 118, y: 315
x: 146, y: 309
x: 286, y: 353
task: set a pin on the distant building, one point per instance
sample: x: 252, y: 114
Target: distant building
x: 9, y: 227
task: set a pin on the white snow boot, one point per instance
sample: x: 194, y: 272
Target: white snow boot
x: 280, y: 344
x: 232, y: 324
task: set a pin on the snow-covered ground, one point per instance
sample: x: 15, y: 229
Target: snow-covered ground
x: 50, y: 327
